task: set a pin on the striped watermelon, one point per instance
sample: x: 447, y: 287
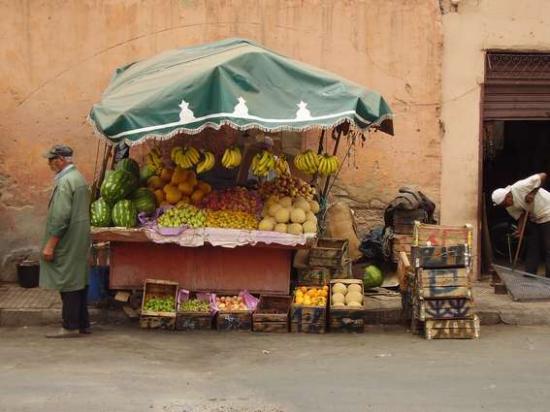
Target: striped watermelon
x: 144, y: 200
x: 100, y: 213
x: 130, y: 165
x: 117, y: 185
x: 124, y: 214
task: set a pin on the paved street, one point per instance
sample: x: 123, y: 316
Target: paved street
x: 122, y: 368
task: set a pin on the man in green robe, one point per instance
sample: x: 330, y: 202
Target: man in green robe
x: 66, y: 243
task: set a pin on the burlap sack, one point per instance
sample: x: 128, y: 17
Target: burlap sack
x: 341, y: 224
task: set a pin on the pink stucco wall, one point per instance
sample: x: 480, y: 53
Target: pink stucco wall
x: 57, y: 56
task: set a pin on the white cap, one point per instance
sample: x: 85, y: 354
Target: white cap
x: 499, y: 195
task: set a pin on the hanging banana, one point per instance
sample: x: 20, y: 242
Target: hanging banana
x: 207, y: 163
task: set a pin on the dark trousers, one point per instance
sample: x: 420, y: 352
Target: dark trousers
x: 537, y: 244
x: 75, y: 309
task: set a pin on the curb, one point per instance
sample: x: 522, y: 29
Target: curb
x: 44, y: 317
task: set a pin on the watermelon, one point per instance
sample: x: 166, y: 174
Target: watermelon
x: 100, y: 213
x: 145, y: 173
x: 117, y: 185
x: 124, y: 213
x: 372, y: 277
x: 130, y: 165
x: 144, y: 200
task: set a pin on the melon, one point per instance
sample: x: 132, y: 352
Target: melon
x: 145, y: 173
x: 117, y: 185
x: 280, y: 227
x: 310, y: 226
x: 354, y: 297
x: 337, y: 298
x: 372, y: 277
x: 144, y: 200
x: 354, y: 287
x: 282, y: 215
x: 285, y: 201
x: 353, y: 304
x: 266, y: 224
x: 295, y: 229
x: 311, y: 216
x: 130, y: 165
x: 273, y: 209
x: 339, y: 288
x: 124, y: 214
x: 302, y: 204
x: 314, y: 206
x: 297, y: 216
x: 338, y: 304
x: 100, y: 213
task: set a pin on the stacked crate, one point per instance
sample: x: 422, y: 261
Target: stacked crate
x: 327, y: 259
x: 441, y: 294
x: 403, y: 229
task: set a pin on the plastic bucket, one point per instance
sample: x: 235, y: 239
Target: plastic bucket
x: 98, y: 281
x: 28, y: 274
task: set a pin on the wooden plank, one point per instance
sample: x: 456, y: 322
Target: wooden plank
x: 444, y: 309
x: 440, y: 256
x: 441, y: 292
x: 452, y: 329
x: 305, y: 327
x: 433, y: 278
x: 272, y: 327
x: 439, y: 235
x: 403, y: 268
x: 157, y: 322
x: 272, y: 308
x: 194, y: 321
x: 241, y: 321
x: 214, y: 269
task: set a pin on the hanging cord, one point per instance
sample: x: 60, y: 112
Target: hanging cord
x: 95, y: 184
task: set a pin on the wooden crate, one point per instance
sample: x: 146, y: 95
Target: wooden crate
x: 403, y: 220
x: 444, y: 309
x: 452, y: 329
x: 194, y: 320
x: 157, y: 322
x: 271, y: 315
x: 436, y: 278
x: 314, y: 276
x: 236, y: 320
x: 401, y: 243
x: 160, y: 289
x: 305, y: 327
x: 308, y: 319
x: 347, y: 319
x: 438, y: 235
x: 437, y: 257
x: 329, y: 253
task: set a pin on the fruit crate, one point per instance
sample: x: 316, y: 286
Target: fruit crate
x: 438, y: 257
x: 186, y: 320
x: 449, y: 283
x: 347, y: 319
x: 443, y: 309
x: 154, y: 288
x: 329, y: 253
x: 271, y: 314
x: 157, y: 322
x: 452, y: 329
x: 307, y: 318
x: 314, y: 276
x: 439, y: 235
x: 403, y: 220
x: 238, y: 320
x: 401, y: 243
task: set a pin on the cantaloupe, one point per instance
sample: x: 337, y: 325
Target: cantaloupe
x: 297, y: 216
x: 311, y: 216
x: 282, y: 215
x: 281, y: 228
x: 314, y: 206
x: 354, y: 287
x: 273, y: 209
x: 353, y: 304
x: 354, y: 297
x: 266, y: 224
x: 339, y: 304
x: 302, y: 204
x: 285, y: 201
x: 339, y: 288
x: 337, y: 298
x: 295, y: 229
x: 310, y: 226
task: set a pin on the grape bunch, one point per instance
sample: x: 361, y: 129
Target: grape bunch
x: 287, y: 186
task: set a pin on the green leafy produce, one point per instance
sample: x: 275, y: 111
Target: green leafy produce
x: 194, y: 305
x: 179, y: 216
x: 157, y: 304
x: 372, y: 277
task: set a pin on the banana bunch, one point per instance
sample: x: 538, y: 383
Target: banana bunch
x: 207, y: 163
x: 281, y: 166
x: 328, y: 165
x: 232, y: 157
x: 263, y: 163
x: 307, y: 162
x: 186, y: 157
x: 154, y: 159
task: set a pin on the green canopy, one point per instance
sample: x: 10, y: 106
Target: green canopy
x: 231, y: 82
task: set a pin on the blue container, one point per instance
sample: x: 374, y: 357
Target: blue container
x: 98, y: 283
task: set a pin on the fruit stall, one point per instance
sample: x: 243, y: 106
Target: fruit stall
x: 218, y: 188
